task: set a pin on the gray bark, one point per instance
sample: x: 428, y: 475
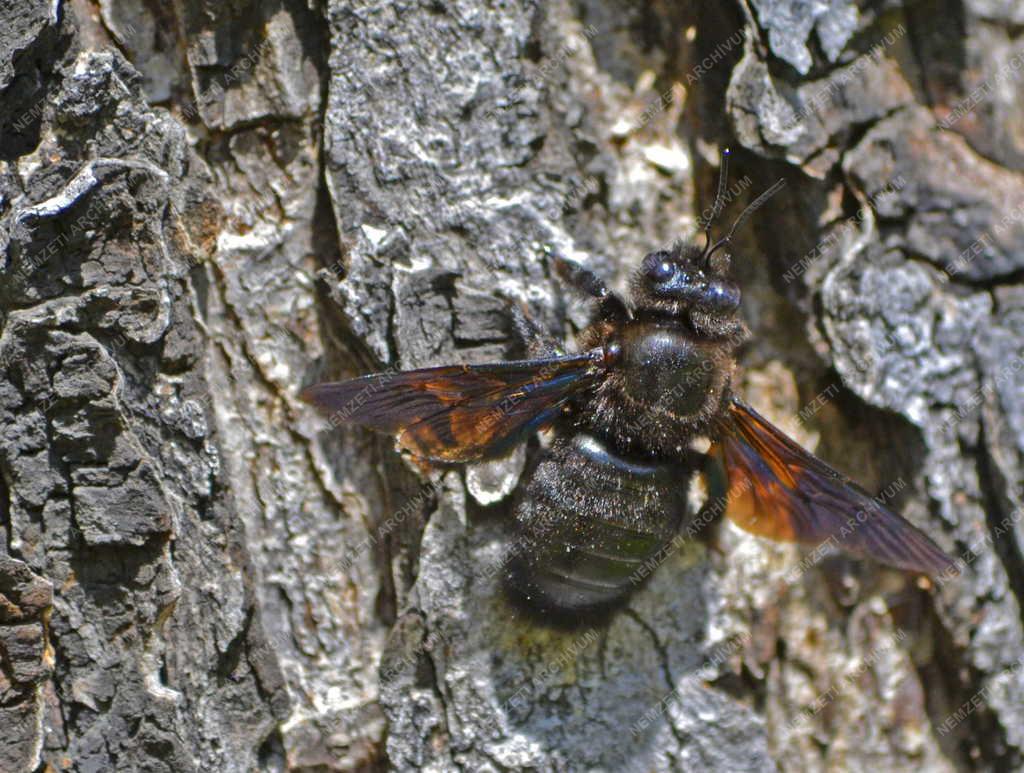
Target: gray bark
x: 205, y: 207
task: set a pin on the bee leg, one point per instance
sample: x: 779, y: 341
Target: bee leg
x: 611, y: 306
x: 708, y: 522
x: 538, y: 342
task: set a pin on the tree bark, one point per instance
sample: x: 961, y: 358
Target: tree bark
x: 205, y: 207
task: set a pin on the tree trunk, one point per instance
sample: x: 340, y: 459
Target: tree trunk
x: 206, y: 206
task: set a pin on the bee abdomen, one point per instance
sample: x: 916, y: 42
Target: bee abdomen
x: 591, y: 521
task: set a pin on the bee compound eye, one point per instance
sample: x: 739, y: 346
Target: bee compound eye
x: 612, y: 353
x: 662, y: 271
x: 658, y: 268
x: 723, y: 296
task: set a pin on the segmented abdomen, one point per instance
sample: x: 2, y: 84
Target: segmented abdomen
x: 590, y: 523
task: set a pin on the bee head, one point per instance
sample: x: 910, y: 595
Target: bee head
x: 686, y: 279
x: 692, y: 284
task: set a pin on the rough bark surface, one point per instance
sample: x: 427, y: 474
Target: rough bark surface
x: 206, y: 206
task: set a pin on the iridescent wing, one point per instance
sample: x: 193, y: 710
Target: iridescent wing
x: 460, y: 413
x: 779, y: 490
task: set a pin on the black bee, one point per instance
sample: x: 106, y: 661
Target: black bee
x: 610, y: 492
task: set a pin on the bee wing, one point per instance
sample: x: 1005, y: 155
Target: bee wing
x: 779, y: 490
x: 459, y: 413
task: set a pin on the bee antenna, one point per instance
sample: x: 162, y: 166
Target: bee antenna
x: 716, y: 208
x: 751, y: 208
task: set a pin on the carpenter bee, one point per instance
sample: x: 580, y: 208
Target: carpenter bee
x: 651, y: 376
